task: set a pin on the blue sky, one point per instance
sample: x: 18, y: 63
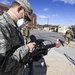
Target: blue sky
x: 53, y: 12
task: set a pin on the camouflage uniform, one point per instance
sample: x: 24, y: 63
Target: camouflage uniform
x: 11, y: 40
x: 25, y: 33
x: 69, y: 35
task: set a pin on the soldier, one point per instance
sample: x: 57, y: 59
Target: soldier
x: 12, y: 46
x: 25, y: 32
x: 68, y: 35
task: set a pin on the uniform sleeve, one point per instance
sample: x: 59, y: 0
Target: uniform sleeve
x: 20, y: 53
x: 5, y: 45
x: 2, y: 45
x: 72, y: 33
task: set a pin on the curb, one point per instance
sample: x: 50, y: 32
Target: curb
x: 53, y: 64
x: 70, y: 45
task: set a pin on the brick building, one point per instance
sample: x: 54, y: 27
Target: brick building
x: 3, y: 7
x: 32, y: 24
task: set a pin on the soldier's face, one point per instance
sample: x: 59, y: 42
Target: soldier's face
x: 21, y: 20
x: 20, y: 12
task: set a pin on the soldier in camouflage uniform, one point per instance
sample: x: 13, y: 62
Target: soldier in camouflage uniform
x: 12, y: 46
x: 25, y: 32
x: 68, y: 35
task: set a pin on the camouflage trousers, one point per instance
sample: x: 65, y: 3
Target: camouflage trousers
x: 67, y: 40
x: 26, y: 39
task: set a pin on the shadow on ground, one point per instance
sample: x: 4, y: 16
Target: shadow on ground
x: 40, y: 67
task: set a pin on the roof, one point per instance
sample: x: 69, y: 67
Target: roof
x: 4, y: 5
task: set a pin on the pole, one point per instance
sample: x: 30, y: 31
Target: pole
x: 47, y: 20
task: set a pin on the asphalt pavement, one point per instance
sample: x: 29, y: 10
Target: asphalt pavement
x: 55, y: 63
x: 72, y: 44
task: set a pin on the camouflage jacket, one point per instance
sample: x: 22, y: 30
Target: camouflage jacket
x: 11, y: 40
x: 69, y: 33
x: 25, y: 31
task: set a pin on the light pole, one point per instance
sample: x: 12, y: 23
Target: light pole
x: 47, y: 20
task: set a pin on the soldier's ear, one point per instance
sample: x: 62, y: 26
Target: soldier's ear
x: 20, y: 9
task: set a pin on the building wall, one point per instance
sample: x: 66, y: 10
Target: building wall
x: 53, y: 28
x: 31, y: 24
x: 62, y: 29
x: 3, y: 7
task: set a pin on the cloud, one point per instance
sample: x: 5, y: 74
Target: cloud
x: 47, y: 16
x: 42, y: 19
x: 66, y: 1
x: 5, y: 2
x: 42, y: 16
x: 46, y: 9
x: 55, y: 15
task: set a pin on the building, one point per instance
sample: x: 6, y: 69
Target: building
x: 62, y: 29
x: 73, y: 28
x: 32, y: 24
x: 52, y: 28
x: 3, y: 7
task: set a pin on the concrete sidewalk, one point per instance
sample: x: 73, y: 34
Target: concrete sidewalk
x: 72, y: 44
x: 53, y: 64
